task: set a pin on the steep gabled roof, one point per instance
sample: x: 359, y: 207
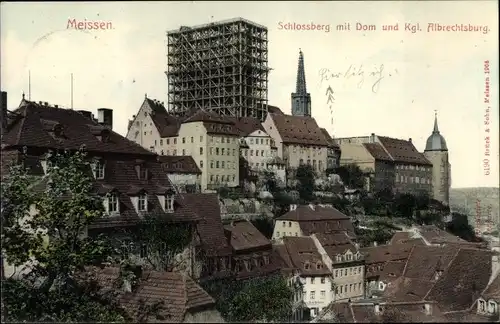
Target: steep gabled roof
x: 304, y: 256
x: 299, y: 130
x: 35, y: 122
x: 330, y: 140
x: 179, y: 164
x: 210, y: 228
x: 403, y: 151
x: 245, y: 236
x: 176, y: 293
x: 377, y: 151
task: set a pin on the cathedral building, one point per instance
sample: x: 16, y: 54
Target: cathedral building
x: 436, y: 151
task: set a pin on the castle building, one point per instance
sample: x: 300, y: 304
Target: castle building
x: 436, y: 152
x: 301, y: 100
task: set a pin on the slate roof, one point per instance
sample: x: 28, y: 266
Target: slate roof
x: 210, y: 228
x: 179, y: 164
x: 299, y: 130
x: 377, y: 151
x: 303, y: 256
x: 35, y: 123
x: 177, y: 293
x: 245, y: 236
x: 403, y: 151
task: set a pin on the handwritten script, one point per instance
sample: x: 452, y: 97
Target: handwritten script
x: 358, y: 74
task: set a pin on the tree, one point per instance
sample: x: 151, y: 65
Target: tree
x: 51, y: 245
x: 259, y: 299
x: 245, y: 172
x: 305, y: 177
x: 265, y: 225
x: 404, y: 205
x: 460, y: 227
x: 162, y: 241
x: 270, y: 181
x: 352, y: 176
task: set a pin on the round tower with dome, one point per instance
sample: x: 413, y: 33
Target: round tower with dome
x: 436, y: 151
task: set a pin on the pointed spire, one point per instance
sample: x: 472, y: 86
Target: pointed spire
x: 436, y: 129
x: 300, y: 86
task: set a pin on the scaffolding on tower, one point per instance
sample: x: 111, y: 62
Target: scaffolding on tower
x: 221, y: 67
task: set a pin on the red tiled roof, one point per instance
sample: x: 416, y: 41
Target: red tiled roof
x: 493, y: 289
x: 424, y: 261
x: 331, y: 141
x: 313, y: 213
x: 436, y: 235
x: 377, y: 151
x: 179, y: 164
x: 299, y: 130
x: 245, y: 236
x: 35, y: 122
x: 319, y: 220
x: 403, y: 151
x: 336, y: 243
x: 274, y: 110
x: 177, y: 293
x: 247, y: 125
x: 304, y: 256
x: 386, y: 253
x: 210, y: 228
x: 463, y: 281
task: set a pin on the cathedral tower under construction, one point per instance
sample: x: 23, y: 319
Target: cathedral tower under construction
x: 220, y: 67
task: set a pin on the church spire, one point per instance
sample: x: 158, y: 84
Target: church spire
x: 300, y: 86
x: 436, y: 129
x: 301, y: 100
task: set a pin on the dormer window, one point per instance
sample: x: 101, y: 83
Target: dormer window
x: 98, y: 169
x: 141, y: 169
x: 492, y: 307
x: 111, y: 204
x: 306, y: 266
x: 169, y: 202
x: 142, y: 202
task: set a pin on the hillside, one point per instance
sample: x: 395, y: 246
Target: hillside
x: 467, y: 199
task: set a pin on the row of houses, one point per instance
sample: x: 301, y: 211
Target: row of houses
x: 423, y: 274
x: 135, y: 183
x: 216, y: 143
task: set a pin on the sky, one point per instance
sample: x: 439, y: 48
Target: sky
x: 387, y: 82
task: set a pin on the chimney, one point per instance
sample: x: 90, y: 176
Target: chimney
x: 3, y: 103
x: 85, y: 113
x: 372, y: 138
x: 409, y: 140
x: 293, y: 207
x: 105, y: 117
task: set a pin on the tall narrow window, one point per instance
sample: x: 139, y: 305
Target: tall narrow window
x: 169, y: 203
x: 113, y: 203
x: 142, y: 203
x: 98, y: 170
